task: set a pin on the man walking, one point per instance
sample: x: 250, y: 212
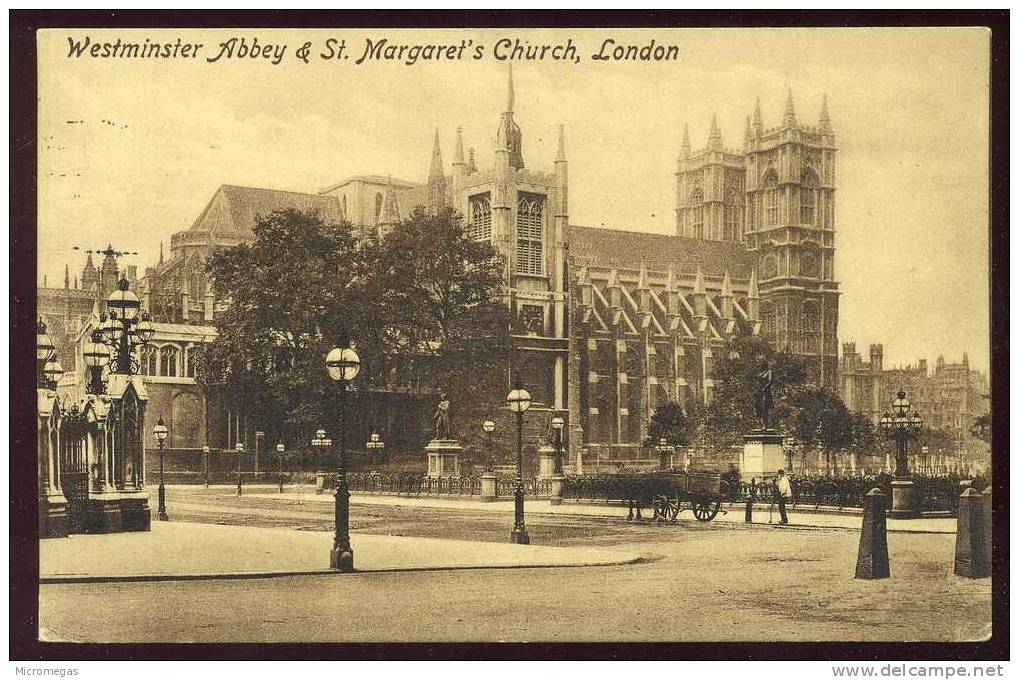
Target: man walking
x: 783, y: 490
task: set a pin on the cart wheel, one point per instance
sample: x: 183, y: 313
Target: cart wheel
x: 660, y: 505
x: 705, y: 511
x: 674, y: 508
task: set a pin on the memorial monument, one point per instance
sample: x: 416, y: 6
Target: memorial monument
x: 443, y: 450
x: 763, y: 455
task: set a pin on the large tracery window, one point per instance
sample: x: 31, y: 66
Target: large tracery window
x: 697, y: 214
x: 530, y: 232
x: 770, y: 186
x: 480, y: 226
x: 732, y: 218
x: 149, y: 360
x: 808, y: 197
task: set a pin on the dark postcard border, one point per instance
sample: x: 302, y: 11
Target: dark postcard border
x: 24, y: 553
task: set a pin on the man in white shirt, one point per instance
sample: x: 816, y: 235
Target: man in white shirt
x: 783, y: 491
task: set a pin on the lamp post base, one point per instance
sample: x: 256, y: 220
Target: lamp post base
x: 520, y: 536
x: 161, y: 511
x: 341, y: 559
x: 904, y: 501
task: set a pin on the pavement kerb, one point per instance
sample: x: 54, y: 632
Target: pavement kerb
x: 142, y: 578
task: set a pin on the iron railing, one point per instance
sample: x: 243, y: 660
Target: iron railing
x: 418, y: 484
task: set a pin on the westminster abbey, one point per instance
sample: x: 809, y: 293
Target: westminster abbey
x: 612, y: 322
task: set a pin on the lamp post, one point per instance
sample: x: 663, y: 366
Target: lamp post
x: 374, y: 444
x: 279, y: 464
x: 122, y: 330
x: 519, y: 400
x: 901, y: 427
x: 239, y: 449
x: 342, y: 366
x: 489, y: 427
x: 557, y: 425
x: 790, y: 452
x: 160, y: 433
x: 663, y: 454
x: 205, y: 464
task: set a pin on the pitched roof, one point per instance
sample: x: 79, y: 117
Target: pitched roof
x: 594, y: 246
x: 234, y: 209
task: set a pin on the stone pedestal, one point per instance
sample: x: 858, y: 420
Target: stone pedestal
x: 872, y: 558
x: 52, y: 517
x: 763, y: 455
x: 443, y: 458
x: 488, y: 490
x: 546, y: 462
x: 904, y: 501
x: 556, y: 497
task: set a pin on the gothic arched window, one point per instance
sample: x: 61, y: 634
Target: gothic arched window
x: 480, y: 226
x: 770, y: 186
x: 768, y: 327
x: 732, y: 217
x: 378, y: 206
x: 168, y: 357
x: 190, y: 356
x: 697, y: 214
x: 530, y: 232
x: 808, y: 197
x: 196, y: 286
x: 149, y: 360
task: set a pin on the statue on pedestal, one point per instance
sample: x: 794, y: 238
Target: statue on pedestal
x: 441, y: 417
x: 764, y: 400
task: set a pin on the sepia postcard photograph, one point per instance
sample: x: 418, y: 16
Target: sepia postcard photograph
x: 445, y: 334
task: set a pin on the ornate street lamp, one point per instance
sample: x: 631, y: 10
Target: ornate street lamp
x: 120, y: 332
x: 96, y: 356
x: 663, y: 454
x: 790, y: 452
x: 279, y: 464
x: 519, y: 400
x: 901, y: 427
x: 239, y: 449
x: 160, y: 433
x: 374, y: 444
x: 557, y: 425
x: 342, y: 365
x: 489, y: 427
x: 205, y: 464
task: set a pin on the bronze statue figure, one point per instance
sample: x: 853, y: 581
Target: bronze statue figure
x: 442, y: 427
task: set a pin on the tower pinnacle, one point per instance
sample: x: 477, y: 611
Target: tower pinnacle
x: 685, y: 149
x: 435, y: 171
x: 748, y: 134
x: 509, y: 90
x: 561, y: 151
x: 458, y: 151
x: 789, y: 117
x: 509, y: 137
x: 758, y: 124
x: 825, y: 119
x: 715, y: 137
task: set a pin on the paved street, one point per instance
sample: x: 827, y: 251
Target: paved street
x: 714, y: 581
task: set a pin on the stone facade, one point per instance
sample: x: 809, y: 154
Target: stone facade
x: 609, y: 323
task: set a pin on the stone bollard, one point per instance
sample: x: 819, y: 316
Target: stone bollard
x: 488, y: 481
x: 989, y: 528
x: 872, y: 559
x: 748, y: 517
x: 970, y: 537
x: 556, y: 497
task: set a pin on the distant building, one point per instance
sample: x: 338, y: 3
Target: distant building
x: 949, y: 398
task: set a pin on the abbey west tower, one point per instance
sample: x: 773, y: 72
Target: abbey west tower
x: 777, y: 196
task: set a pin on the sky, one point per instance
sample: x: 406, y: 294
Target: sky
x: 131, y: 150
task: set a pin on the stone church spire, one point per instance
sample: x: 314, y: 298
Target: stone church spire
x: 684, y: 151
x: 748, y: 134
x: 436, y: 179
x: 509, y: 137
x: 758, y: 124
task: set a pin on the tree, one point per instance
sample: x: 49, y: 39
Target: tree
x: 670, y: 423
x: 293, y: 292
x: 820, y: 418
x: 421, y: 305
x: 441, y: 312
x: 981, y: 428
x: 731, y: 413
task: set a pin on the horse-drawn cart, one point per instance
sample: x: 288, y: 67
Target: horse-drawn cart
x: 667, y: 493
